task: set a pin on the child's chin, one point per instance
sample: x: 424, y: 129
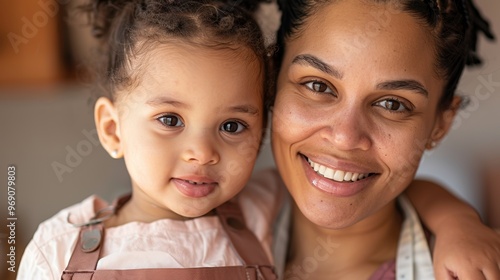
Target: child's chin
x: 196, y: 213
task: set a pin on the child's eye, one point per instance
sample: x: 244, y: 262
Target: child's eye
x: 234, y: 127
x: 170, y: 120
x: 318, y: 86
x: 393, y: 105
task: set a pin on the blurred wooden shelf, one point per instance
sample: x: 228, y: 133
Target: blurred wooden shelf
x: 31, y: 49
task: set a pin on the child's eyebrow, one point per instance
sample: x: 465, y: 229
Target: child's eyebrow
x: 161, y: 100
x: 244, y: 109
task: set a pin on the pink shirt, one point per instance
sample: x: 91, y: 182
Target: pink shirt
x: 386, y: 271
x: 199, y: 242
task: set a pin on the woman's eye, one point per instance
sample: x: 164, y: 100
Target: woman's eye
x: 233, y: 127
x: 171, y: 120
x: 318, y: 86
x: 393, y: 105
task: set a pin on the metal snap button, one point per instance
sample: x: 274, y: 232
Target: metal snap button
x: 91, y: 239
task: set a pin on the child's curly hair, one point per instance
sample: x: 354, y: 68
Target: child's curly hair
x: 124, y: 28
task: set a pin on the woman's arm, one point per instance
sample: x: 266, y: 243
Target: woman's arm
x: 465, y: 247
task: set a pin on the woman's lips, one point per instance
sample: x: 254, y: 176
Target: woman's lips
x: 336, y: 182
x: 336, y: 175
x: 194, y: 188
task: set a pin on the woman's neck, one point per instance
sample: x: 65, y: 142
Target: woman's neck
x: 349, y: 253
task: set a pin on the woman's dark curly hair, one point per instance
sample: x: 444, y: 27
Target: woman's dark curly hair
x: 124, y: 28
x: 454, y: 25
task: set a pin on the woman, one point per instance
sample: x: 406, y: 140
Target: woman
x: 358, y: 101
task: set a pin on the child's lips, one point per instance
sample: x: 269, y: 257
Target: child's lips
x: 195, y: 186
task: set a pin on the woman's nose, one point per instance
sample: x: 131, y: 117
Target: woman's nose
x: 348, y: 130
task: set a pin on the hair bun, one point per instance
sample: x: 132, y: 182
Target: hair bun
x: 102, y: 12
x: 478, y: 24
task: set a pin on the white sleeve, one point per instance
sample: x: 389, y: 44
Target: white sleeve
x: 34, y: 265
x: 51, y: 247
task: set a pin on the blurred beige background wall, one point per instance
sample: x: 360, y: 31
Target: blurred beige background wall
x: 47, y: 133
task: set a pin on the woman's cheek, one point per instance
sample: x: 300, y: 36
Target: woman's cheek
x: 293, y: 119
x: 400, y: 149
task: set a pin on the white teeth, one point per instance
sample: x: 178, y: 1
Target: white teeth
x: 322, y: 169
x: 348, y: 176
x: 339, y: 176
x: 329, y: 173
x: 194, y: 183
x: 316, y: 167
x: 354, y: 177
x: 336, y: 175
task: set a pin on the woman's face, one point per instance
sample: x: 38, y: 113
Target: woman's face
x: 355, y: 108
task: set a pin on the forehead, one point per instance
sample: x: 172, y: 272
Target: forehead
x: 195, y: 74
x: 182, y: 51
x: 366, y: 29
x: 170, y: 62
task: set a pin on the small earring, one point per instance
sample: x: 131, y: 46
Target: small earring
x: 432, y: 144
x: 114, y: 154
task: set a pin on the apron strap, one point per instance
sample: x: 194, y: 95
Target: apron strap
x: 244, y: 241
x: 86, y: 253
x: 195, y: 273
x: 83, y: 262
x: 88, y: 246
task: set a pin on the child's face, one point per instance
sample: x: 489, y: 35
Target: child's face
x: 191, y: 128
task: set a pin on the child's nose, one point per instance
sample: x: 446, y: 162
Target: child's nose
x: 201, y: 149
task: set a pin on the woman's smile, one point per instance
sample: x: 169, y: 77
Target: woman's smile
x: 337, y: 174
x: 336, y: 182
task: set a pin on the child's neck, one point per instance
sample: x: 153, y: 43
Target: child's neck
x: 355, y: 252
x: 139, y: 209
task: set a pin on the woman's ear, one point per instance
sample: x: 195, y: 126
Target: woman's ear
x: 444, y: 122
x: 107, y: 124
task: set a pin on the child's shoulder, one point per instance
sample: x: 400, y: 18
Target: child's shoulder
x: 261, y: 201
x: 48, y: 252
x: 265, y: 190
x: 267, y: 180
x: 62, y: 223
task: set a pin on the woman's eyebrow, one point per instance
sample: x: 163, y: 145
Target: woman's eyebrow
x: 311, y: 60
x: 410, y: 85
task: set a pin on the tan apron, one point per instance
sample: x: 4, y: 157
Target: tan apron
x: 83, y: 262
